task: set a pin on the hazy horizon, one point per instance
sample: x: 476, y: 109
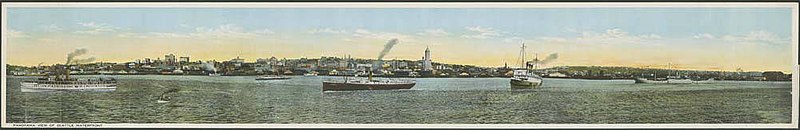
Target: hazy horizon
x: 753, y: 39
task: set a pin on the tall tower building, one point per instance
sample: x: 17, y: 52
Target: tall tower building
x: 426, y: 61
x: 170, y: 59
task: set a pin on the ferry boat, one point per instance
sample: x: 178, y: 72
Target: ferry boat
x: 272, y: 77
x: 367, y: 84
x: 66, y: 83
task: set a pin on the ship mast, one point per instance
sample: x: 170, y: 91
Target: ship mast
x: 522, y: 56
x: 536, y: 62
x: 66, y: 66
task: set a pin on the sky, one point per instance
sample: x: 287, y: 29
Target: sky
x: 702, y: 38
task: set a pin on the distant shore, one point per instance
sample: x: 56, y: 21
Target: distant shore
x: 388, y: 76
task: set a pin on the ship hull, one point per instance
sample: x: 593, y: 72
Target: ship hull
x: 282, y: 78
x: 671, y: 81
x: 525, y: 84
x: 332, y: 86
x: 272, y: 78
x: 37, y: 87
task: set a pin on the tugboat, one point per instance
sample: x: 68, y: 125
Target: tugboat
x: 367, y: 84
x: 523, y: 79
x: 64, y: 82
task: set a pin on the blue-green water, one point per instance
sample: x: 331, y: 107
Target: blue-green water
x: 241, y: 99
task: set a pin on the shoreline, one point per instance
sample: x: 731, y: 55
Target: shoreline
x: 592, y: 78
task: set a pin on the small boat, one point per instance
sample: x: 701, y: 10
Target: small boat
x: 214, y: 74
x: 164, y: 98
x: 312, y: 74
x: 525, y: 79
x: 272, y: 77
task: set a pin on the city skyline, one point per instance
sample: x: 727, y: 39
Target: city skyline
x: 754, y: 39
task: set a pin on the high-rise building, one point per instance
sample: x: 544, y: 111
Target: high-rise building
x: 184, y: 59
x: 237, y: 60
x: 426, y: 61
x: 262, y: 60
x: 170, y: 59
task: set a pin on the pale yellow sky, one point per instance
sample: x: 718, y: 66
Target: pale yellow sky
x: 626, y: 50
x: 705, y: 38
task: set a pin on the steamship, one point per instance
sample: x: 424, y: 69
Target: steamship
x: 670, y: 79
x: 525, y: 79
x: 522, y: 78
x: 64, y: 82
x: 367, y: 84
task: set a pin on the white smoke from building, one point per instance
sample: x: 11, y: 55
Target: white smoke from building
x: 209, y: 67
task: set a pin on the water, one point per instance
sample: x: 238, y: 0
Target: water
x: 241, y: 99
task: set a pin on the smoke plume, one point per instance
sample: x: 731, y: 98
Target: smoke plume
x: 548, y: 59
x: 80, y: 51
x: 79, y: 61
x: 387, y: 48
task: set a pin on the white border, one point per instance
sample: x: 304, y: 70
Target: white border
x: 402, y: 5
x: 795, y: 73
